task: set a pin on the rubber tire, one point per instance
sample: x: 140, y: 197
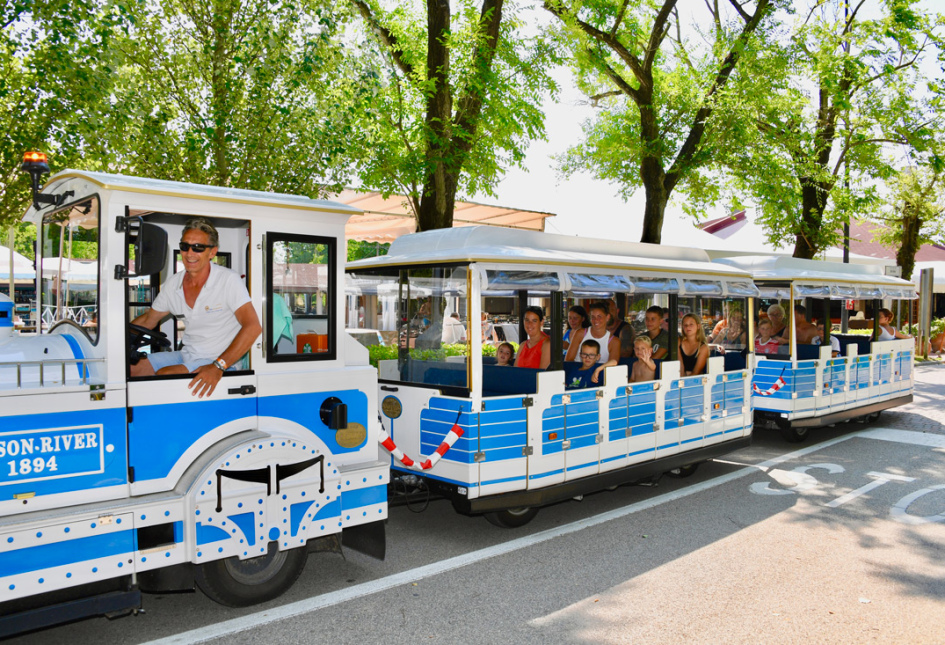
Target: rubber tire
x: 512, y: 518
x: 792, y: 434
x: 873, y: 418
x: 683, y: 471
x: 241, y: 583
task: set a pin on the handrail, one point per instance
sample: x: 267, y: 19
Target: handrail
x: 42, y: 364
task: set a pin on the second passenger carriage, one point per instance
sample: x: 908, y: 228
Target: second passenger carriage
x: 516, y: 438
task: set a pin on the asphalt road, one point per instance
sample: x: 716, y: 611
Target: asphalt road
x: 837, y: 541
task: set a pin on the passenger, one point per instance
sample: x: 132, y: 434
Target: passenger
x: 733, y: 335
x: 536, y: 350
x: 765, y: 343
x: 453, y: 330
x: 488, y: 330
x: 504, y: 355
x: 588, y: 374
x: 693, y: 350
x: 220, y: 323
x: 577, y: 320
x: 659, y: 337
x: 779, y: 330
x: 806, y: 332
x: 886, y: 329
x: 834, y: 341
x: 609, y: 345
x: 644, y: 369
x: 619, y: 328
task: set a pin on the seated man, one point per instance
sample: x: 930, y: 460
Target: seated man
x: 834, y: 341
x: 805, y: 330
x: 220, y: 321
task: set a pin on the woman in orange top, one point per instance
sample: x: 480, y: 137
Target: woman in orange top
x: 536, y: 351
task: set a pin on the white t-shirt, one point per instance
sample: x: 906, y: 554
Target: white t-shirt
x: 211, y: 325
x: 453, y: 330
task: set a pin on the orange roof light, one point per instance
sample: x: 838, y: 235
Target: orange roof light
x: 34, y: 157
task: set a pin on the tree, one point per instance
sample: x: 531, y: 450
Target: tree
x: 455, y: 103
x: 50, y: 73
x: 254, y: 94
x: 914, y: 213
x: 664, y: 97
x: 842, y: 91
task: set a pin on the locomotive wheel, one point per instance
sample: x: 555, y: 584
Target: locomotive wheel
x: 683, y: 471
x: 512, y: 518
x: 240, y: 583
x: 791, y: 433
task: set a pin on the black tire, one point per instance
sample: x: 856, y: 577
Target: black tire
x: 241, y: 583
x: 792, y: 433
x: 512, y: 518
x: 683, y: 471
x: 873, y: 418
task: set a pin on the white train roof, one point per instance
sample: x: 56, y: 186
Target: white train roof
x: 108, y: 181
x: 816, y: 278
x: 562, y: 258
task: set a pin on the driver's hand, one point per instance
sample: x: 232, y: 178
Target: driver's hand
x: 205, y: 380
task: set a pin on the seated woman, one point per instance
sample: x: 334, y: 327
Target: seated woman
x: 536, y: 351
x: 886, y: 329
x: 693, y: 350
x: 504, y: 355
x: 733, y: 335
x: 644, y: 369
x: 577, y: 320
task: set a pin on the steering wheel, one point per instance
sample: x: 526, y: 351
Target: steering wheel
x: 141, y: 336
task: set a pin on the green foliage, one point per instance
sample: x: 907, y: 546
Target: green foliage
x: 669, y: 92
x: 837, y: 96
x: 359, y: 250
x: 466, y: 123
x: 388, y: 352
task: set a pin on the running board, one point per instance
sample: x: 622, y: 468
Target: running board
x: 852, y: 413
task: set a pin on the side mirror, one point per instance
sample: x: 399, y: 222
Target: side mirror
x: 150, y: 249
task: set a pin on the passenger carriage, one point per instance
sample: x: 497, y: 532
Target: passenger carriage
x: 803, y: 386
x: 514, y: 439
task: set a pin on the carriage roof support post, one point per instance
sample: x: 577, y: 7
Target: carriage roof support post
x: 874, y: 310
x: 827, y: 322
x: 522, y: 304
x: 557, y: 324
x: 673, y: 331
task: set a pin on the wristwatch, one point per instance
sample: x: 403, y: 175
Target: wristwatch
x: 220, y: 364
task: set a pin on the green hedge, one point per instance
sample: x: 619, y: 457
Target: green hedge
x: 378, y: 353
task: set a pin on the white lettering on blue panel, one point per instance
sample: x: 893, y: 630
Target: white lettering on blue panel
x: 39, y: 455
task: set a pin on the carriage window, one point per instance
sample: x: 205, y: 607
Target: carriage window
x: 69, y: 285
x: 300, y: 289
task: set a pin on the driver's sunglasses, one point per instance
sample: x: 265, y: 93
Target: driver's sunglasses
x: 198, y: 248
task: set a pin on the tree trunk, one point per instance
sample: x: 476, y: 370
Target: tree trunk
x: 656, y: 200
x: 813, y: 204
x: 905, y: 256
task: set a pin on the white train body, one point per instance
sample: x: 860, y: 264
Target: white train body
x: 108, y: 482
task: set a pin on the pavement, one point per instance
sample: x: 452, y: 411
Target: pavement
x: 926, y: 413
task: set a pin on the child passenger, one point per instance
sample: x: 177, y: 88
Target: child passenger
x: 504, y: 354
x: 644, y: 369
x: 765, y: 343
x: 586, y: 376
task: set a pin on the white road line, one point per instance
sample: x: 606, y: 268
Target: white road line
x: 905, y: 436
x: 258, y: 619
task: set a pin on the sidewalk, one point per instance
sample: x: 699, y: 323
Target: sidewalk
x: 926, y: 413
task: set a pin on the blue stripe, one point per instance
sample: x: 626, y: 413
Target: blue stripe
x: 363, y: 497
x: 46, y: 556
x: 604, y: 461
x: 590, y: 463
x: 207, y: 534
x: 76, y: 351
x: 332, y: 509
x: 690, y: 440
x: 642, y: 452
x: 667, y: 445
x: 502, y: 481
x: 547, y: 474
